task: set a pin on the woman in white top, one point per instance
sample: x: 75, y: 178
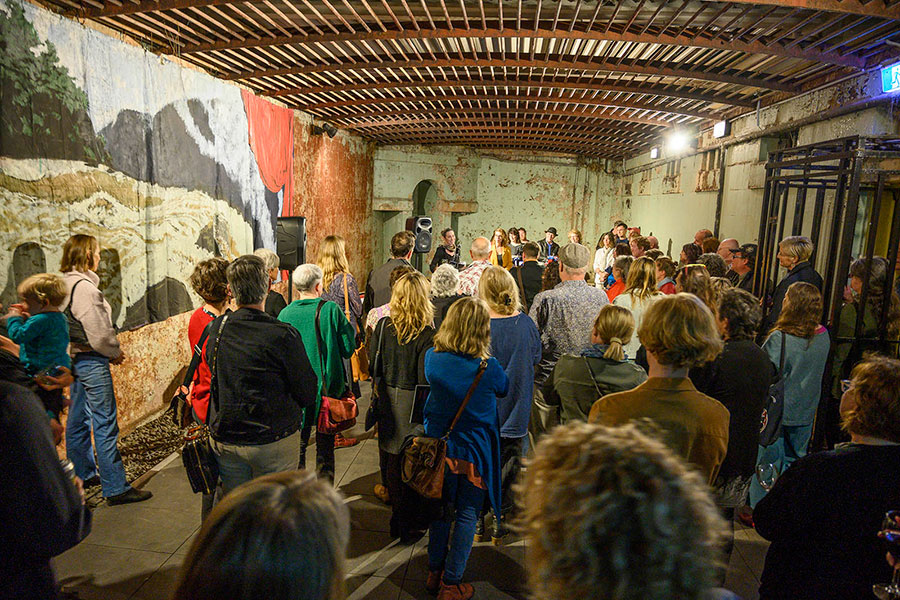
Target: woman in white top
x: 640, y: 292
x: 603, y: 258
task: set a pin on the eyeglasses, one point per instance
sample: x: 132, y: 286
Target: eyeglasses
x: 846, y: 384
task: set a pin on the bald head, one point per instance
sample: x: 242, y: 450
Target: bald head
x: 480, y: 249
x: 726, y: 248
x: 654, y: 243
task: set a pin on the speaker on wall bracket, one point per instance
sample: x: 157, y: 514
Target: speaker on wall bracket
x: 421, y: 228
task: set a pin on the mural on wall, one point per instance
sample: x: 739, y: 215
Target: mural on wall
x: 167, y: 166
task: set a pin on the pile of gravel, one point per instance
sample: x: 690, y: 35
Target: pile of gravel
x: 144, y: 448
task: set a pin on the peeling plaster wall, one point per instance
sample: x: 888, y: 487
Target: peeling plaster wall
x: 674, y: 198
x: 333, y: 190
x: 486, y: 191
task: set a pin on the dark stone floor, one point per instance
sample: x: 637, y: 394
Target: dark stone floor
x: 134, y: 551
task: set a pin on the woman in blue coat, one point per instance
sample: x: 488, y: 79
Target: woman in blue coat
x: 461, y: 350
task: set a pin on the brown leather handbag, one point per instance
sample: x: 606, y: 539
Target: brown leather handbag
x: 359, y: 362
x: 335, y: 414
x: 422, y: 467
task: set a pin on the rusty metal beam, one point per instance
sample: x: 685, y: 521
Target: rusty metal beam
x: 641, y: 68
x: 611, y: 103
x: 602, y: 86
x: 628, y: 131
x: 500, y: 135
x: 874, y: 8
x: 345, y: 119
x: 531, y: 125
x: 687, y: 38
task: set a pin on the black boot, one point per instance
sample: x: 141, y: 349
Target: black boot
x: 479, y: 529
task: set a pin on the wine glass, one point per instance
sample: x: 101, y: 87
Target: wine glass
x: 766, y: 474
x: 890, y: 533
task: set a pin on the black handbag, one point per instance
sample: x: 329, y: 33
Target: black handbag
x: 373, y: 412
x: 770, y: 427
x: 197, y: 454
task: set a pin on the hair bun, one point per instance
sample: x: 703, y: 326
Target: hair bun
x: 615, y: 340
x: 507, y: 299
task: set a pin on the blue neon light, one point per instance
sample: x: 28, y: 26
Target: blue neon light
x: 890, y: 78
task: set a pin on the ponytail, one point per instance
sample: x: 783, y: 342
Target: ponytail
x: 615, y: 350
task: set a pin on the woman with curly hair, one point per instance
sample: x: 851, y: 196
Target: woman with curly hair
x: 803, y: 344
x: 611, y: 513
x: 550, y: 277
x: 461, y: 360
x: 444, y: 282
x: 824, y: 513
x: 501, y: 254
x: 678, y: 332
x: 695, y: 279
x: 640, y: 291
x: 403, y: 337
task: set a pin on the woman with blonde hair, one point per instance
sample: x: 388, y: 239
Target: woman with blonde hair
x: 281, y: 536
x: 516, y: 343
x: 803, y: 345
x: 678, y: 332
x: 640, y: 291
x: 794, y: 253
x: 402, y: 339
x: 501, y: 254
x: 574, y: 236
x: 338, y: 282
x: 581, y: 379
x: 460, y: 366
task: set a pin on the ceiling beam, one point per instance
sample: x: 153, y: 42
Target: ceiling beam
x: 450, y: 128
x: 534, y: 145
x: 372, y: 115
x: 873, y: 8
x: 687, y: 38
x: 625, y: 88
x: 499, y: 135
x: 623, y: 131
x: 630, y: 104
x: 638, y: 67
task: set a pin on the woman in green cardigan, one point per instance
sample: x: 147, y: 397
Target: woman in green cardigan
x: 338, y: 343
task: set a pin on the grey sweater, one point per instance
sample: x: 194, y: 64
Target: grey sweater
x: 91, y: 308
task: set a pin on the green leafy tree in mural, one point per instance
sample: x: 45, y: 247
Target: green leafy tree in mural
x: 43, y: 114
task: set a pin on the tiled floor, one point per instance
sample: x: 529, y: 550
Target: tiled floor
x: 134, y: 551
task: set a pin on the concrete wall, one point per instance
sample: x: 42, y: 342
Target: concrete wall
x: 477, y: 192
x: 675, y: 196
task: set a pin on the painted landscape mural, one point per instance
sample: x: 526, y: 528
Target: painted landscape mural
x: 164, y: 164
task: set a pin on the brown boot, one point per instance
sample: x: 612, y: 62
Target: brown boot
x: 433, y: 582
x: 458, y: 591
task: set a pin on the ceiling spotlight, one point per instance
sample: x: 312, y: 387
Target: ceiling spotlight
x: 328, y: 128
x: 654, y: 153
x: 678, y: 142
x: 721, y: 129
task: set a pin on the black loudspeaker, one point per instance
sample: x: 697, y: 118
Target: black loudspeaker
x: 290, y: 240
x: 421, y: 228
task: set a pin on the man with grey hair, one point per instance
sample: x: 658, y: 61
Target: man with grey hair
x: 274, y: 301
x: 261, y: 382
x: 480, y: 251
x: 328, y: 338
x: 565, y: 318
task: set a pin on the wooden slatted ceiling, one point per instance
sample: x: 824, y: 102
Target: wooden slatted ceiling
x: 598, y: 78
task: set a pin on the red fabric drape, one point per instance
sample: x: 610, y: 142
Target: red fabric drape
x: 271, y: 136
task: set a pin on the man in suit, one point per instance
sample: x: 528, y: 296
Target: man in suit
x: 548, y: 247
x: 378, y: 288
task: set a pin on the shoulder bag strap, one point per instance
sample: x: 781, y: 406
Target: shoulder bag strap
x: 462, y: 407
x: 213, y: 363
x: 781, y: 365
x: 196, y: 357
x: 72, y: 297
x: 320, y: 345
x: 347, y: 301
x: 521, y: 286
x: 587, y: 363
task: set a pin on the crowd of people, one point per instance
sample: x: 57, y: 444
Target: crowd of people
x: 606, y: 403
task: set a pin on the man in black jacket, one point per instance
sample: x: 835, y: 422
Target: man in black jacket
x: 378, y: 287
x: 261, y: 381
x: 528, y: 276
x: 548, y: 247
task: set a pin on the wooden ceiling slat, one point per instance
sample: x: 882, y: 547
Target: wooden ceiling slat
x: 637, y: 88
x: 646, y: 69
x: 685, y: 40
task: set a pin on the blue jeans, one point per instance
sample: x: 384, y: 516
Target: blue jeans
x: 782, y: 453
x: 94, y: 404
x: 468, y: 500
